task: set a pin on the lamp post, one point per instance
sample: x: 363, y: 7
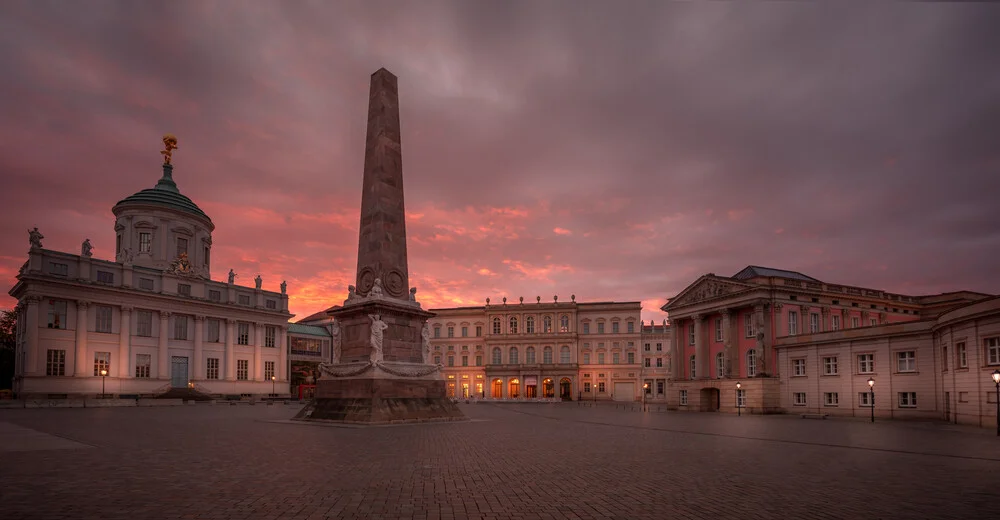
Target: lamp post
x: 645, y: 389
x: 996, y: 379
x: 739, y: 409
x: 871, y: 396
x: 273, y: 379
x: 104, y: 375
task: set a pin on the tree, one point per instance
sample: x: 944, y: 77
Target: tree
x: 8, y: 339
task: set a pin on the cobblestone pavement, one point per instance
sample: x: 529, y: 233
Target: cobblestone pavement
x: 526, y: 461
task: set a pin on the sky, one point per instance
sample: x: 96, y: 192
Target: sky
x: 607, y: 150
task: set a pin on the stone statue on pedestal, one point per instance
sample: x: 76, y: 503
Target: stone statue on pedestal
x: 283, y: 286
x: 258, y: 281
x: 35, y: 238
x: 86, y: 249
x: 335, y: 342
x: 425, y: 335
x: 232, y: 277
x: 351, y: 292
x: 376, y: 291
x: 413, y: 294
x: 378, y: 328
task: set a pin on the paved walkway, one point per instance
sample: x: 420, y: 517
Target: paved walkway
x: 520, y: 461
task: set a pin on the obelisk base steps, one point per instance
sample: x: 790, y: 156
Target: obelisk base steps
x: 380, y: 401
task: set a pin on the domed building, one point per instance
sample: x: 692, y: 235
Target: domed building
x: 152, y: 320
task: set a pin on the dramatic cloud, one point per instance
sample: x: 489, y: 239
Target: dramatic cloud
x: 614, y: 151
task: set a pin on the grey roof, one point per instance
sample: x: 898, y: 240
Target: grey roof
x: 312, y: 330
x: 753, y: 271
x: 166, y: 194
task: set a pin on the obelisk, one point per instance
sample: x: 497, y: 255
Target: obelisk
x: 381, y: 372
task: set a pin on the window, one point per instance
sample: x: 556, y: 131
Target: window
x: 659, y: 362
x: 183, y: 289
x: 243, y: 334
x: 212, y: 368
x: 751, y: 363
x: 451, y: 361
x: 564, y: 323
x: 720, y: 365
x: 529, y: 355
x: 600, y: 328
x: 242, y: 369
x: 145, y: 242
x: 944, y: 358
x: 55, y: 363
x: 497, y: 356
x: 830, y: 366
x: 102, y: 361
x: 143, y: 362
x: 58, y: 269
x: 741, y: 398
x: 793, y: 323
x: 831, y: 399
x: 961, y: 354
x: 270, y: 332
x: 614, y: 327
x: 798, y: 367
x: 586, y: 358
x: 57, y: 314
x: 451, y: 332
x: 496, y: 325
x: 631, y: 327
x: 465, y: 361
x: 865, y: 399
x: 659, y: 347
x: 992, y: 351
x: 646, y: 347
x: 873, y: 322
x: 855, y: 322
x: 512, y: 329
x: 268, y: 370
x: 906, y: 361
x: 836, y: 322
x: 437, y: 331
x: 479, y: 361
x: 907, y: 399
x: 215, y: 296
x: 105, y: 277
x: 631, y: 358
x: 646, y: 363
x: 244, y: 299
x: 208, y: 255
x: 866, y: 363
x: 692, y: 366
x: 616, y: 358
x: 813, y: 323
x: 181, y: 327
x: 799, y: 399
x: 547, y: 355
x: 479, y: 331
x: 182, y: 246
x: 718, y: 330
x: 213, y: 331
x: 659, y: 387
x: 144, y: 323
x: 118, y: 244
x: 600, y: 387
x: 586, y: 328
x: 103, y: 322
x: 586, y: 386
x: 684, y: 397
x: 748, y: 325
x: 600, y: 358
x: 271, y: 304
x: 146, y: 284
x: 465, y: 332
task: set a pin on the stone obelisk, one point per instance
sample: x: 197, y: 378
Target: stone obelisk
x: 381, y: 371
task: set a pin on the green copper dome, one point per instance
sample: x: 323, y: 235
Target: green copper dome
x: 165, y: 194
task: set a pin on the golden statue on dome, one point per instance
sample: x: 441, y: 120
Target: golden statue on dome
x: 169, y: 145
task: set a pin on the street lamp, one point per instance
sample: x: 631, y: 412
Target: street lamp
x: 996, y: 379
x: 104, y: 374
x: 739, y: 409
x: 645, y: 390
x: 871, y: 396
x: 272, y: 386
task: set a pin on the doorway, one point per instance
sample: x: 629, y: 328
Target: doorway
x: 548, y: 388
x: 710, y: 399
x: 179, y: 372
x: 564, y: 390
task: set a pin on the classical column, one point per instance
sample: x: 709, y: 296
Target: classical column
x: 845, y: 319
x: 258, y: 340
x: 865, y: 318
x: 805, y: 325
x: 777, y: 318
x: 230, y: 362
x: 701, y: 365
x: 824, y: 325
x: 727, y: 342
x: 281, y: 370
x: 31, y: 329
x: 199, y: 335
x: 162, y: 359
x: 124, y: 341
x: 675, y: 350
x: 763, y: 349
x: 81, y: 339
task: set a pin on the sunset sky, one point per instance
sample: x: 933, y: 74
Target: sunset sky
x: 611, y: 150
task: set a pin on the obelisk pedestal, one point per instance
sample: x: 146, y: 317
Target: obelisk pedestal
x: 381, y: 371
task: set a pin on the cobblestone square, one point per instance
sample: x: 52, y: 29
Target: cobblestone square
x: 523, y: 461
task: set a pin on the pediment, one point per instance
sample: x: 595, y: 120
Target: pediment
x: 707, y: 288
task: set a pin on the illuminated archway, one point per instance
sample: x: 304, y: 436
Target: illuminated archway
x: 514, y: 388
x: 548, y: 388
x: 497, y: 391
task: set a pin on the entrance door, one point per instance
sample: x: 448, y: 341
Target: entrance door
x: 564, y: 390
x: 179, y: 372
x: 710, y: 399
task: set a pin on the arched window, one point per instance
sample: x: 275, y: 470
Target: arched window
x: 515, y: 389
x: 564, y: 323
x: 564, y: 354
x: 513, y: 325
x: 497, y: 388
x: 720, y: 365
x: 751, y: 363
x: 547, y: 355
x: 547, y: 324
x: 497, y: 356
x: 529, y: 325
x: 692, y: 367
x: 529, y: 355
x: 513, y: 355
x: 496, y: 325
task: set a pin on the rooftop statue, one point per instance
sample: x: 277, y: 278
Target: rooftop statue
x: 169, y: 145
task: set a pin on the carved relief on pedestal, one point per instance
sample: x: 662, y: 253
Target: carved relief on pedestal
x: 395, y: 286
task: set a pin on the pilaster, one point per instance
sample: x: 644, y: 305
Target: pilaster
x: 230, y: 368
x: 31, y: 328
x: 824, y: 324
x: 701, y: 361
x: 124, y: 342
x: 763, y: 348
x: 162, y: 359
x: 80, y: 359
x: 258, y: 341
x: 281, y: 369
x: 197, y: 370
x: 727, y: 342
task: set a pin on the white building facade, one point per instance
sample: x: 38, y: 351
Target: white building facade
x: 150, y: 320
